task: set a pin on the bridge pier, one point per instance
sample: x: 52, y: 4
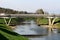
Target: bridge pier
x: 51, y: 23
x: 7, y: 23
x: 50, y: 26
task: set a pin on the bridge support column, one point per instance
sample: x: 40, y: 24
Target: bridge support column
x: 50, y: 25
x: 7, y: 23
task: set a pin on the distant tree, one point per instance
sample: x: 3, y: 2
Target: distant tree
x: 2, y: 10
x: 23, y: 12
x: 46, y: 13
x: 10, y: 11
x: 15, y: 12
x: 40, y: 11
x: 20, y: 12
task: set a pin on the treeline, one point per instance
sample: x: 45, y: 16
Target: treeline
x: 11, y: 11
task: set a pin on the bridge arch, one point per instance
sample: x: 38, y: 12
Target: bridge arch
x: 51, y: 23
x: 7, y: 23
x: 54, y: 20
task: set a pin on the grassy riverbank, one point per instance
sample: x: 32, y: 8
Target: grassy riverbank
x: 7, y: 34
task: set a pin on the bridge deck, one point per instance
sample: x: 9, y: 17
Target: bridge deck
x: 28, y: 15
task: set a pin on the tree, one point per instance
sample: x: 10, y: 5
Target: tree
x: 39, y: 19
x: 23, y: 12
x: 2, y: 10
x: 40, y: 11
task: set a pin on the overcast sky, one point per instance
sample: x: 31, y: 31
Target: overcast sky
x: 52, y: 6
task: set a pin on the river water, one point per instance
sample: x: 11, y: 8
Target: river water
x: 31, y: 28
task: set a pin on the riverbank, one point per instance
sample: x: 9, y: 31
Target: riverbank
x: 10, y: 35
x: 6, y: 33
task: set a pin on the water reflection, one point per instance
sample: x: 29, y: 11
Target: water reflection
x: 49, y: 37
x: 31, y: 28
x: 53, y: 36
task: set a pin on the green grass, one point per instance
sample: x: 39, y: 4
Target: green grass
x: 1, y: 21
x: 45, y: 21
x: 57, y: 19
x: 6, y: 27
x: 9, y: 35
x: 58, y: 25
x: 42, y: 21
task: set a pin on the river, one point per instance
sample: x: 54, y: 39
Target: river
x: 34, y: 32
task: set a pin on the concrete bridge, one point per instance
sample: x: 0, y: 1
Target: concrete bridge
x: 51, y: 22
x: 28, y: 15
